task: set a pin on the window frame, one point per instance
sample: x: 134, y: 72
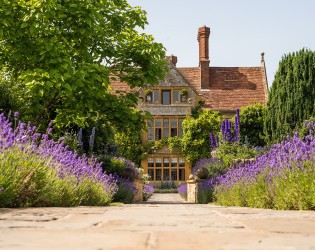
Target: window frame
x: 162, y: 169
x: 162, y: 127
x: 160, y: 90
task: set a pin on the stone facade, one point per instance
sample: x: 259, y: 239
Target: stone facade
x: 223, y: 89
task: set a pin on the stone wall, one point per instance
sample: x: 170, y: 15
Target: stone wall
x: 139, y: 186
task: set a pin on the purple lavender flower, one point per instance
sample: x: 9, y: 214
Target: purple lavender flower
x: 212, y: 140
x: 55, y: 155
x: 182, y: 191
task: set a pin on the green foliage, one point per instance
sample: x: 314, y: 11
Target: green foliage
x: 112, y: 165
x: 124, y: 194
x: 292, y: 95
x: 167, y: 184
x: 183, y: 92
x: 205, y: 196
x: 148, y: 92
x: 293, y: 190
x: 103, y: 141
x: 70, y: 139
x: 252, y: 124
x: 104, y: 135
x: 215, y: 168
x: 305, y: 130
x: 196, y: 140
x: 62, y: 55
x: 227, y: 151
x: 197, y: 110
x: 130, y: 146
x: 8, y: 97
x: 166, y: 191
x: 29, y: 180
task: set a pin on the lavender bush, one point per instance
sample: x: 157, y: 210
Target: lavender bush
x: 284, y: 178
x: 206, y: 190
x: 36, y: 171
x: 147, y: 192
x: 126, y: 190
x: 182, y: 191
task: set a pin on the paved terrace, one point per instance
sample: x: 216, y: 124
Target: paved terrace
x: 165, y: 222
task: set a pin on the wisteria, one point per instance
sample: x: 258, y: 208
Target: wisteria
x: 23, y: 151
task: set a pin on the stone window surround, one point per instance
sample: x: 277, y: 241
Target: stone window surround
x: 172, y: 95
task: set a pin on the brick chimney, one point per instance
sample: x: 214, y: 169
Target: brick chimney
x: 203, y: 39
x: 173, y: 59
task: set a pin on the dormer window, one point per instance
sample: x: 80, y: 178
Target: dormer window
x: 166, y: 97
x: 176, y: 96
x: 156, y: 96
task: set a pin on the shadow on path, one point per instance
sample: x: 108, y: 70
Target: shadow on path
x: 167, y: 199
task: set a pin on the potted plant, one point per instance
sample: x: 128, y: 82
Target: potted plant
x: 148, y: 95
x: 183, y: 95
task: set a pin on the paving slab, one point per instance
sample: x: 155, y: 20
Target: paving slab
x: 164, y: 222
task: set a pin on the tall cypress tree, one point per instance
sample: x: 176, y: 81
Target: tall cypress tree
x: 292, y: 95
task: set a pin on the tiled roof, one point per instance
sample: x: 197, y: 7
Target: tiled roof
x: 120, y: 86
x: 229, y: 87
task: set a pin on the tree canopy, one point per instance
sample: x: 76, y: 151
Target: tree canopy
x: 62, y: 55
x: 292, y: 95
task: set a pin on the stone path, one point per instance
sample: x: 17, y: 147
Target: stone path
x: 165, y: 222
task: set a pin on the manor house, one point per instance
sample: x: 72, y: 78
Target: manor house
x: 223, y: 89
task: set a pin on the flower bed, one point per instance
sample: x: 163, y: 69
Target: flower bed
x: 284, y: 178
x: 36, y: 171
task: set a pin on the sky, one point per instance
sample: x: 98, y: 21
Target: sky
x: 240, y: 30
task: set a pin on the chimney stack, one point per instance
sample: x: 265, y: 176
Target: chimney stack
x: 173, y: 59
x: 203, y: 39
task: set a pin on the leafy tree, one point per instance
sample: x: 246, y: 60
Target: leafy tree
x: 252, y: 124
x: 196, y: 142
x: 63, y: 53
x: 8, y: 98
x: 292, y: 95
